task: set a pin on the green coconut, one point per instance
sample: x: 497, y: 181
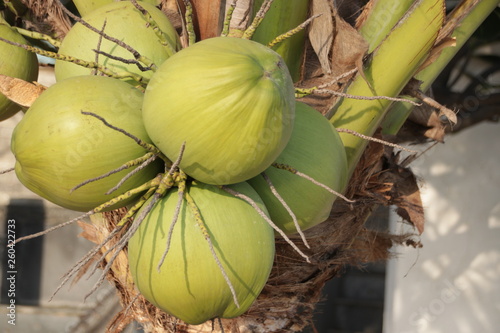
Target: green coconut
x: 56, y: 147
x: 230, y: 100
x: 316, y: 150
x: 190, y: 285
x: 86, y: 6
x: 14, y: 62
x: 125, y: 23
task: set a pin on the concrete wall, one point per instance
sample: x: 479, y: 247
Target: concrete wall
x: 452, y: 284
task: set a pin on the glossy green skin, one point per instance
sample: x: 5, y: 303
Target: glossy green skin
x: 190, y: 285
x: 230, y: 99
x: 124, y: 22
x: 14, y: 62
x: 86, y: 6
x: 316, y: 150
x: 56, y: 147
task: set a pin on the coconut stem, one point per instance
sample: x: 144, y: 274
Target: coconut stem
x: 369, y: 138
x: 227, y: 19
x: 7, y: 170
x: 288, y: 209
x: 133, y: 172
x: 123, y: 241
x: 46, y: 231
x: 292, y: 32
x: 129, y: 164
x: 87, y: 64
x: 312, y: 180
x: 99, y: 42
x: 39, y: 36
x: 135, y: 208
x: 302, y: 92
x: 151, y: 23
x: 122, y: 60
x: 189, y: 23
x: 147, y: 146
x: 257, y: 19
x: 175, y: 217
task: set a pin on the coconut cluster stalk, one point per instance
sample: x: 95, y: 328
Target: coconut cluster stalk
x: 381, y: 17
x: 283, y: 16
x: 391, y: 65
x: 468, y: 15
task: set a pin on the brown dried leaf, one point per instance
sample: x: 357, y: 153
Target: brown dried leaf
x: 209, y: 16
x: 89, y: 232
x: 426, y: 116
x: 405, y: 194
x: 19, y: 91
x: 349, y: 47
x: 436, y: 51
x: 321, y: 32
x: 365, y: 13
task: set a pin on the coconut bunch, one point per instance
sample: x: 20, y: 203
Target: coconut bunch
x: 201, y: 172
x: 206, y: 147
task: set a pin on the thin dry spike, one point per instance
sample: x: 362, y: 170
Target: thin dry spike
x: 135, y: 208
x: 266, y: 218
x: 120, y: 245
x: 177, y: 211
x: 144, y: 187
x: 149, y: 147
x: 288, y: 209
x: 129, y: 305
x: 300, y: 92
x: 125, y: 238
x: 61, y: 225
x: 133, y: 172
x: 393, y: 99
x: 87, y: 64
x: 220, y: 325
x: 178, y: 160
x: 127, y: 165
x: 180, y: 192
x: 227, y: 19
x: 118, y: 42
x: 257, y: 19
x: 151, y: 23
x: 123, y: 60
x: 292, y: 32
x: 7, y: 170
x: 369, y: 138
x: 338, y: 78
x: 312, y: 180
x: 165, y: 183
x: 99, y: 42
x: 82, y: 262
x: 201, y: 224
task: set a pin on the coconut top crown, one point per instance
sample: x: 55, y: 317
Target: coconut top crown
x: 230, y: 100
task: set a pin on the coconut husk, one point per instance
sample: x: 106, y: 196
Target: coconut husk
x: 46, y: 16
x: 288, y: 300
